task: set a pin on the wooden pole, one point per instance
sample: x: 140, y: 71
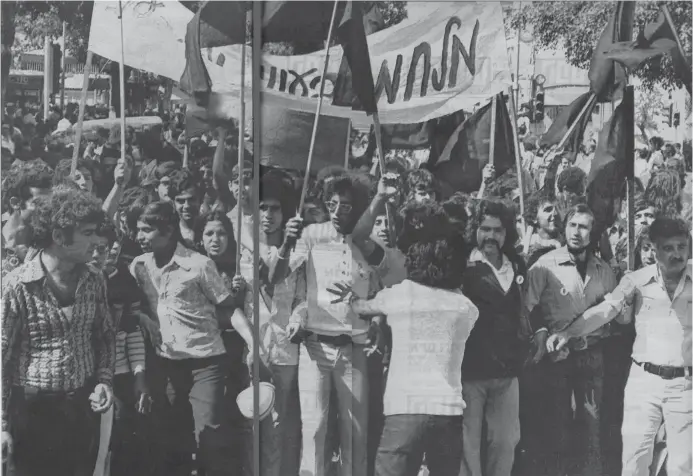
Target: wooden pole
x: 389, y: 213
x: 241, y: 157
x: 348, y: 147
x: 62, y: 69
x: 306, y: 178
x: 629, y: 102
x: 121, y: 73
x: 80, y: 118
x: 257, y: 149
x: 46, y: 76
x: 518, y: 157
x: 492, y: 138
x: 592, y: 99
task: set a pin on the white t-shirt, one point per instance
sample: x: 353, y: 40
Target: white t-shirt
x: 430, y: 327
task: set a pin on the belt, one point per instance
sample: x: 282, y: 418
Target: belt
x: 340, y: 341
x: 665, y: 371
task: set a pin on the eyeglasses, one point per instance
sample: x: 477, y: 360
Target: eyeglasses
x: 333, y: 206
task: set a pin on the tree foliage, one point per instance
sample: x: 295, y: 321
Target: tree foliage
x: 576, y: 26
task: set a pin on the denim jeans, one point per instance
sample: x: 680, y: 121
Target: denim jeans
x: 493, y: 404
x: 280, y: 437
x: 407, y: 438
x: 568, y: 441
x: 54, y: 434
x: 324, y: 368
x: 649, y: 401
x: 195, y: 387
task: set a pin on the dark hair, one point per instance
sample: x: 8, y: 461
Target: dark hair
x: 199, y: 228
x: 182, y: 181
x: 657, y: 142
x: 644, y: 154
x: 668, y: 227
x: 534, y: 202
x: 275, y: 187
x: 18, y: 180
x: 435, y: 255
x: 107, y: 230
x: 664, y: 190
x: 421, y: 179
x: 64, y: 210
x: 506, y: 215
x: 572, y: 179
x: 643, y: 235
x: 641, y: 203
x: 396, y: 165
x: 349, y: 183
x: 161, y: 215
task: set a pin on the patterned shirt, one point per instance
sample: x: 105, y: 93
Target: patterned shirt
x: 182, y: 296
x: 556, y: 288
x: 49, y: 347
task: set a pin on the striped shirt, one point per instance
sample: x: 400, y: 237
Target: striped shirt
x: 45, y: 348
x: 129, y: 352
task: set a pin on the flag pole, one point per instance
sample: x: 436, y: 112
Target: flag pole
x: 241, y: 157
x: 492, y: 138
x: 518, y: 158
x: 629, y: 100
x: 590, y: 102
x: 304, y: 189
x: 121, y: 75
x: 80, y: 118
x: 381, y: 162
x: 257, y: 149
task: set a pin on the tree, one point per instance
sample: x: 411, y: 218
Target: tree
x: 576, y: 27
x: 649, y: 104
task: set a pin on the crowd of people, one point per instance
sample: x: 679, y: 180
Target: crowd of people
x: 401, y: 326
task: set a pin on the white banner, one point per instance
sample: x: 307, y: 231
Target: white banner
x: 449, y: 56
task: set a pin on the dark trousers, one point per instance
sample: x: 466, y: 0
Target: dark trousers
x: 131, y: 434
x: 376, y: 420
x: 563, y: 428
x: 54, y: 434
x: 195, y: 389
x: 406, y: 438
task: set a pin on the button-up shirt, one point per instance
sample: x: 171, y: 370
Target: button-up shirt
x: 49, y: 347
x: 662, y: 325
x: 556, y: 287
x: 330, y: 258
x: 504, y: 275
x: 183, y: 295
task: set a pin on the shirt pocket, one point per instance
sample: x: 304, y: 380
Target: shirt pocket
x: 182, y: 287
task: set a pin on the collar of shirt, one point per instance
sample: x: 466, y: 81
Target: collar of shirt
x: 652, y: 274
x: 505, y: 274
x: 181, y: 257
x: 564, y: 257
x: 34, y: 271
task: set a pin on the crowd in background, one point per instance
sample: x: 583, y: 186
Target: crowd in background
x: 401, y: 325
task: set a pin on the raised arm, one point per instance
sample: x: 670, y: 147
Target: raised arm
x: 220, y: 180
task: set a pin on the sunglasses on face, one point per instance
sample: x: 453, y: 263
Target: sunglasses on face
x: 333, y: 206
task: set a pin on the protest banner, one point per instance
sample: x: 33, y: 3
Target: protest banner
x: 447, y: 59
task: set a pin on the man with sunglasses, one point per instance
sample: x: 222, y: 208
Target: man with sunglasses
x: 333, y: 355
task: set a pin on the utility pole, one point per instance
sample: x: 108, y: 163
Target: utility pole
x: 62, y: 69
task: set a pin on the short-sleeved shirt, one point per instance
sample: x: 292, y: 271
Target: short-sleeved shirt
x: 183, y: 296
x: 555, y: 285
x: 430, y: 327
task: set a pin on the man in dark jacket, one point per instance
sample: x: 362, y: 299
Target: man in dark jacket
x: 495, y: 350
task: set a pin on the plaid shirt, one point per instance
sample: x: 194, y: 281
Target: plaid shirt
x: 47, y: 348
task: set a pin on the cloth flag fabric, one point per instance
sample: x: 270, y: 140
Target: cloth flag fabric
x: 608, y: 78
x: 466, y: 153
x: 654, y: 40
x: 563, y: 122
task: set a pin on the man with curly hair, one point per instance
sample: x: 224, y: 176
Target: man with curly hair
x: 58, y: 342
x: 496, y: 349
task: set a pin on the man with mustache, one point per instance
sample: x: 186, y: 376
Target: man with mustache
x: 495, y: 351
x: 561, y: 285
x: 658, y: 297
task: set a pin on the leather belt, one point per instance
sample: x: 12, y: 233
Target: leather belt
x: 665, y: 371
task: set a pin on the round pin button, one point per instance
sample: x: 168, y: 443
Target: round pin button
x: 564, y: 292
